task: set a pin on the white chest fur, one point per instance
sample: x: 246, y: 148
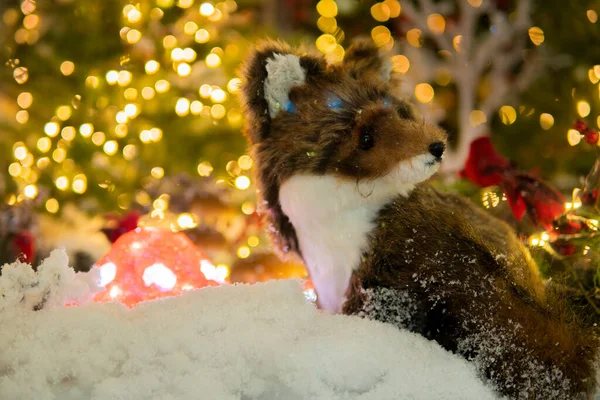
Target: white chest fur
x: 333, y: 219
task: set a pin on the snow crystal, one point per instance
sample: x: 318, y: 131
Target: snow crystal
x: 260, y: 341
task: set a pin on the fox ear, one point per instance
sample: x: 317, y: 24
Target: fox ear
x: 363, y: 60
x: 268, y: 76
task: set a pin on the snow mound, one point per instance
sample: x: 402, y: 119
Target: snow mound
x: 260, y: 341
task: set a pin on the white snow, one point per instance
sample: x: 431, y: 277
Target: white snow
x: 260, y: 341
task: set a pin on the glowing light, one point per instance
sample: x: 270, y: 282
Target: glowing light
x: 155, y: 134
x: 20, y: 152
x: 111, y: 147
x: 98, y: 138
x: 157, y: 172
x: 536, y: 34
x: 121, y: 117
x: 51, y: 129
x: 436, y: 23
x: 233, y: 86
x: 185, y: 3
x: 79, y: 185
x: 242, y: 182
x: 413, y: 37
x: 131, y: 110
x: 129, y: 152
x: 217, y: 111
x: 134, y: 15
x: 52, y: 205
x: 243, y: 252
x: 160, y: 275
x: 475, y: 3
x: 108, y: 272
x: 202, y: 36
x: 196, y: 107
x: 182, y: 107
x: 327, y: 8
x: 456, y: 43
x: 68, y: 133
x: 111, y: 77
x: 394, y: 7
x: 218, y: 96
x: 573, y: 137
x: 477, y: 117
x: 86, y: 130
x: 326, y: 43
x: 213, y: 60
x: 189, y: 54
x: 148, y: 93
x: 400, y: 64
x: 62, y: 182
x: 205, y: 90
x: 245, y: 162
x: 162, y: 86
x: 67, y: 68
x: 592, y: 16
x: 327, y: 25
x: 30, y: 191
x: 248, y: 208
x: 152, y: 67
x: 21, y: 75
x: 190, y: 28
x: 22, y: 116
x: 24, y: 100
x: 124, y: 78
x: 134, y: 36
x: 508, y: 115
x: 381, y: 35
x: 92, y: 81
x: 59, y: 155
x: 546, y: 121
x: 31, y: 21
x: 14, y: 169
x: 63, y: 113
x: 380, y: 12
x: 169, y: 41
x: 206, y: 9
x: 583, y: 108
x: 253, y: 241
x: 186, y: 221
x: 184, y: 69
x: 424, y: 93
x: 205, y: 168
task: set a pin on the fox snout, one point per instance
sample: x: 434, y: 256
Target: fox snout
x: 437, y: 150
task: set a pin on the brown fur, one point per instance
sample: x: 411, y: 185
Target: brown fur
x: 464, y: 276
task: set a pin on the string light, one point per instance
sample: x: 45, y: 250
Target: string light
x: 508, y: 115
x: 536, y: 35
x: 424, y: 93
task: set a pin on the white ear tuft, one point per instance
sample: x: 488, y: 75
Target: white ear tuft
x: 283, y: 72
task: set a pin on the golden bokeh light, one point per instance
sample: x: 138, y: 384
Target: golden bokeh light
x: 424, y: 93
x: 508, y: 115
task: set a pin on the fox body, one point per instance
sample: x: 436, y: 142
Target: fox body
x: 341, y: 168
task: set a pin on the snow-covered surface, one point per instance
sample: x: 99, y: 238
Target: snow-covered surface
x: 233, y: 342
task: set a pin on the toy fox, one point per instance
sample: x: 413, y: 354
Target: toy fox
x: 341, y: 168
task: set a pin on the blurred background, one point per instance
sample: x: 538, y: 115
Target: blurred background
x: 116, y: 114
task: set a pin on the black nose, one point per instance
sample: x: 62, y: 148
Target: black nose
x: 437, y: 149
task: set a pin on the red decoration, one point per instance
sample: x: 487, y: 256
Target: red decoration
x: 150, y: 263
x: 118, y: 226
x: 580, y: 126
x: 591, y: 136
x: 525, y: 192
x: 24, y: 244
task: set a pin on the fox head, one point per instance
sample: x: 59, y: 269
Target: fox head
x: 305, y: 117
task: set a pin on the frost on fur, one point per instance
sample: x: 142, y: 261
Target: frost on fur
x: 388, y: 305
x: 284, y: 72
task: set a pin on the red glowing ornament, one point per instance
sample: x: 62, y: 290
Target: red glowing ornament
x: 150, y: 263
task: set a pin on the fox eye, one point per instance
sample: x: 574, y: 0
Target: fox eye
x: 365, y: 139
